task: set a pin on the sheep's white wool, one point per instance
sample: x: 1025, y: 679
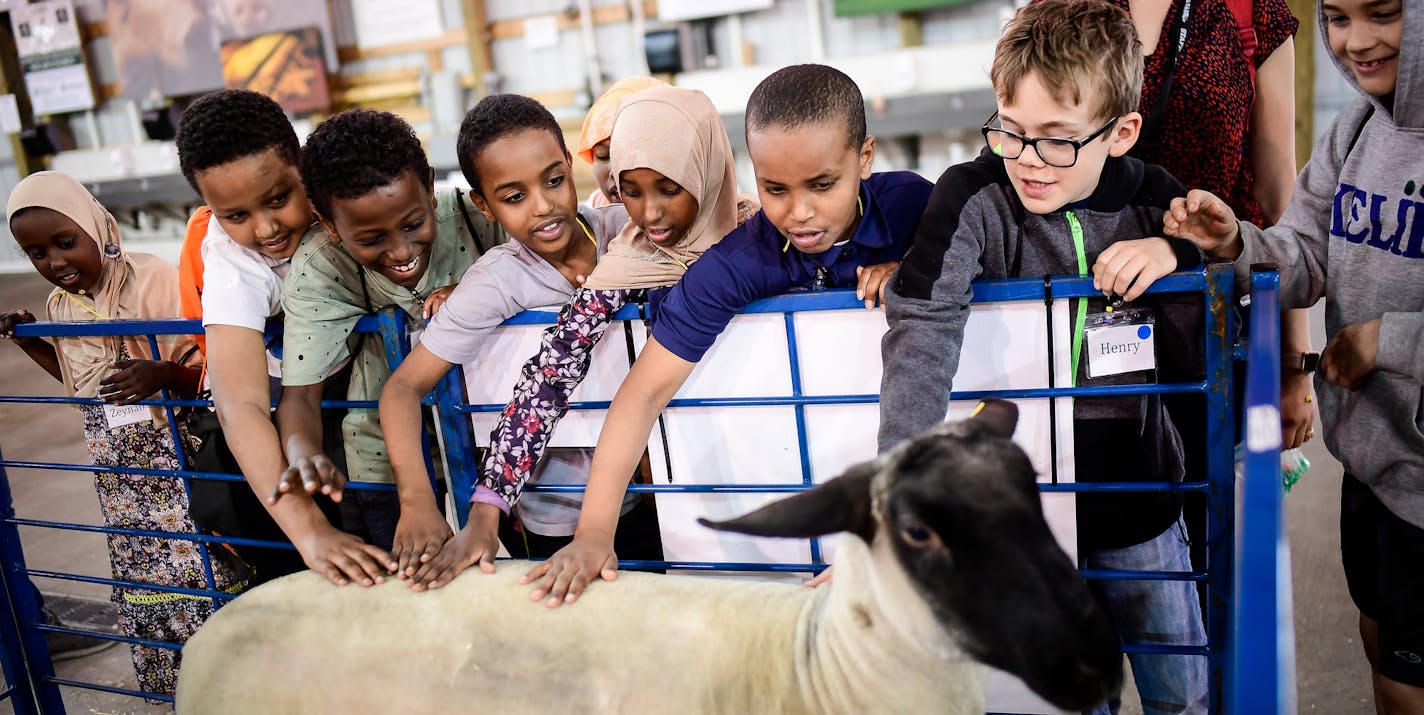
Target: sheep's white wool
x: 642, y: 644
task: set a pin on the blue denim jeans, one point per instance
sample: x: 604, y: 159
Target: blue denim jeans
x: 1156, y: 612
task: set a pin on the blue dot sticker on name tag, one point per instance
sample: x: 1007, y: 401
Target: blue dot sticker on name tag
x: 1115, y: 347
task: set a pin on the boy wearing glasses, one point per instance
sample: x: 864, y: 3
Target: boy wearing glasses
x: 1055, y: 193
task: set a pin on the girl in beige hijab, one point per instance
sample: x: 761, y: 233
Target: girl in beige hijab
x: 673, y: 163
x: 74, y: 243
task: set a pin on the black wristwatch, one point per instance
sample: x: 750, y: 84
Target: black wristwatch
x: 1300, y: 362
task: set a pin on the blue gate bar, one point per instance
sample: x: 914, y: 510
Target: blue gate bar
x: 35, y: 693
x: 1263, y: 641
x: 164, y: 473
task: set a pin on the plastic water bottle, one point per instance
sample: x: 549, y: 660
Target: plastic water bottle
x: 1294, y: 465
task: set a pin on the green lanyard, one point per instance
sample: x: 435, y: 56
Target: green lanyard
x: 1081, y: 318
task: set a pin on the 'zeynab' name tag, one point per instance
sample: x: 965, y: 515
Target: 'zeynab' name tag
x: 123, y: 415
x: 1115, y: 349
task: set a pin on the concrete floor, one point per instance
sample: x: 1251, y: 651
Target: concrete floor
x: 1331, y: 672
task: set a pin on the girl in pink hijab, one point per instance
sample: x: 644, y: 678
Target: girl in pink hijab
x: 596, y: 139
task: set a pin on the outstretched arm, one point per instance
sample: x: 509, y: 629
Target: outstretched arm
x: 241, y: 394
x: 656, y: 376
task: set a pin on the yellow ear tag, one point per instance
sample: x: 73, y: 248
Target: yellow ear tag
x: 977, y: 409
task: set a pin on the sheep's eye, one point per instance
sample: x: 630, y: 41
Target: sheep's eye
x: 917, y: 536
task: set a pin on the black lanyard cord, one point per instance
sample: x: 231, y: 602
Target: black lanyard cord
x: 1152, y: 125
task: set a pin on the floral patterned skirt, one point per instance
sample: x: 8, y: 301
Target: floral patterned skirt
x: 133, y: 501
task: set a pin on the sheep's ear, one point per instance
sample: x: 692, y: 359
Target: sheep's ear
x: 842, y: 504
x: 997, y: 416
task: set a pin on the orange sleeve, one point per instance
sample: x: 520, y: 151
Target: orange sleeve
x: 190, y: 269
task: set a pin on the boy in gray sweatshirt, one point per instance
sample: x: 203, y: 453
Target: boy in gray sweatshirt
x: 1055, y: 194
x: 1354, y: 234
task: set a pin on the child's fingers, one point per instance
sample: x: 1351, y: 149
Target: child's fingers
x: 1151, y: 272
x: 334, y: 574
x: 535, y: 573
x: 546, y: 584
x: 444, y: 576
x: 288, y: 481
x: 310, y: 478
x: 427, y: 572
x: 1128, y: 268
x: 582, y: 578
x: 820, y: 578
x: 561, y: 585
x: 353, y: 569
x: 430, y: 573
x: 385, y: 562
x: 487, y: 561
x: 872, y: 286
x: 432, y: 547
x: 404, y: 552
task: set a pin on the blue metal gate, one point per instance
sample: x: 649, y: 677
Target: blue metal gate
x: 1245, y: 617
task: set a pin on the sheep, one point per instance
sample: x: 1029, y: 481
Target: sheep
x: 946, y: 563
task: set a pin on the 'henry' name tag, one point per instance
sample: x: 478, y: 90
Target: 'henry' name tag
x: 123, y: 415
x: 1115, y: 349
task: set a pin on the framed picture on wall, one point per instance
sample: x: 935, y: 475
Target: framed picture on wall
x: 287, y: 66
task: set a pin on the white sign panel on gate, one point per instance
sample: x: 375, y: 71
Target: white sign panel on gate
x: 839, y: 354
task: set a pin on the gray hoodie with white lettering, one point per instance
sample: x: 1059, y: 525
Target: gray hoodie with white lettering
x: 1354, y: 234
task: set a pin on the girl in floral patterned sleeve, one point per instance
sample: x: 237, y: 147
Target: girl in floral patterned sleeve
x: 74, y: 243
x: 673, y: 165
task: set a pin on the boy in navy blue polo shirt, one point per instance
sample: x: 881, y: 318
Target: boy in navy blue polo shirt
x: 825, y: 222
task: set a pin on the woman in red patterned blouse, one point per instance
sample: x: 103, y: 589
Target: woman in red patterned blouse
x: 1215, y: 129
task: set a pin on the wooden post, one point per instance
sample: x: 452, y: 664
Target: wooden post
x: 478, y: 43
x: 12, y: 83
x: 1305, y: 44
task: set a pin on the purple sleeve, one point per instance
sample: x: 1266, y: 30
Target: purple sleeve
x: 485, y: 495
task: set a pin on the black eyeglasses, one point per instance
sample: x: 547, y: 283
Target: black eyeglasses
x: 1054, y: 151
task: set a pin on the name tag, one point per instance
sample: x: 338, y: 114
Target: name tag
x: 123, y: 415
x: 1120, y: 344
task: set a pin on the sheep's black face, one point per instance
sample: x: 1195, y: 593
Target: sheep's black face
x: 962, y: 511
x: 960, y: 507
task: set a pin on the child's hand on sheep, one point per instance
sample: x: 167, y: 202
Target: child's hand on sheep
x: 477, y: 543
x: 571, y: 569
x: 420, y: 533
